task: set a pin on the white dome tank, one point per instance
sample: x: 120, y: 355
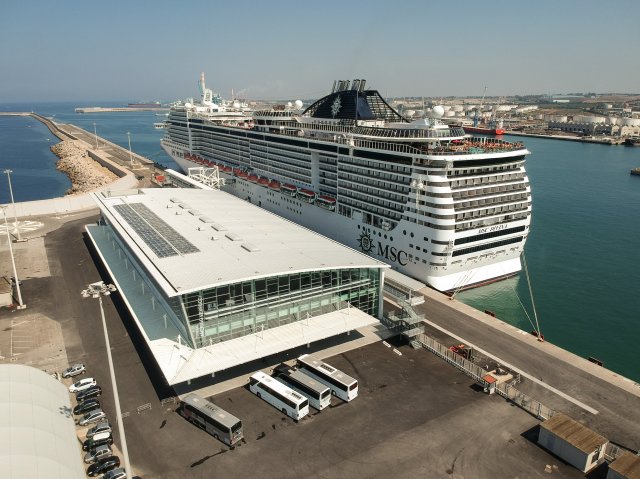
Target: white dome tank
x: 438, y: 111
x: 457, y: 108
x: 449, y: 113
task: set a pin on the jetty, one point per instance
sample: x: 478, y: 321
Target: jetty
x: 581, y: 139
x: 100, y: 109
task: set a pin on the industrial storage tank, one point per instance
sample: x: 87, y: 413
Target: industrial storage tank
x: 457, y: 108
x: 612, y: 120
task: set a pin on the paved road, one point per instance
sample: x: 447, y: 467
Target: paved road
x: 618, y: 416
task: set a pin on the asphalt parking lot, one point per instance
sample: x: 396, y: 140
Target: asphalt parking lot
x: 415, y: 416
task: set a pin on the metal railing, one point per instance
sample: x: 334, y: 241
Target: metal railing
x: 532, y: 406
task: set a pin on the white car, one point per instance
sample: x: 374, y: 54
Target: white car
x: 99, y: 428
x: 81, y: 385
x: 73, y: 370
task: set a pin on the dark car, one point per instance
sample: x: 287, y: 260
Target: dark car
x: 90, y: 393
x: 86, y: 406
x: 91, y: 443
x: 103, y: 465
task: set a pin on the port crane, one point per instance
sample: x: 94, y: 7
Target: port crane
x: 476, y: 120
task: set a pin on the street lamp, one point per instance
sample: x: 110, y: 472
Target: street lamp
x: 130, y: 156
x: 15, y: 212
x: 98, y: 290
x: 21, y: 305
x: 95, y: 133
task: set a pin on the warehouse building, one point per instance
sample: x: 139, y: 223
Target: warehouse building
x: 575, y: 443
x: 214, y: 282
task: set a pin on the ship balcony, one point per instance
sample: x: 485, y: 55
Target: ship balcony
x: 474, y: 146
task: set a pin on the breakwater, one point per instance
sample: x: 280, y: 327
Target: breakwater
x: 85, y: 173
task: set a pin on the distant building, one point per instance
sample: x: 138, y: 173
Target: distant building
x: 571, y: 441
x: 589, y: 129
x: 214, y: 282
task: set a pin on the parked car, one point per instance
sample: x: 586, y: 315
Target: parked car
x: 103, y: 465
x: 81, y: 385
x: 115, y: 474
x: 91, y: 417
x: 86, y: 406
x: 74, y: 370
x: 93, y: 442
x: 99, y: 452
x: 102, y: 426
x: 91, y: 393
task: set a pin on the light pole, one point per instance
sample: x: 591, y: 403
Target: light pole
x: 98, y: 290
x: 130, y: 156
x: 15, y: 212
x: 95, y: 133
x: 21, y: 305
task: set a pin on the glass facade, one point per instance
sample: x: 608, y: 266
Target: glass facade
x: 235, y: 310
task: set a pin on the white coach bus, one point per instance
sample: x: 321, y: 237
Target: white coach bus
x: 278, y: 395
x: 342, y: 385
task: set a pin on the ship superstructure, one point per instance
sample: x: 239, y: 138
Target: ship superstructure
x: 438, y: 205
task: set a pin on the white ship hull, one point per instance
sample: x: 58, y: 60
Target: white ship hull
x: 392, y: 247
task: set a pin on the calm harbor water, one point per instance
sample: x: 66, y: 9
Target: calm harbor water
x: 583, y: 251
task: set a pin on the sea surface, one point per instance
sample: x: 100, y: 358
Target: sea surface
x: 582, y: 253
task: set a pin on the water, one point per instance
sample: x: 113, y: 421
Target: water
x: 583, y: 251
x: 25, y: 142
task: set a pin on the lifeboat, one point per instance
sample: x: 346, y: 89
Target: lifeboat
x: 274, y: 185
x: 253, y: 178
x: 263, y: 181
x: 326, y: 202
x: 289, y: 189
x: 243, y: 174
x: 236, y: 171
x: 306, y: 195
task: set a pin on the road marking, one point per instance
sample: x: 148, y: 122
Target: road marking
x: 519, y: 371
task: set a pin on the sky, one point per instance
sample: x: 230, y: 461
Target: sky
x: 144, y: 50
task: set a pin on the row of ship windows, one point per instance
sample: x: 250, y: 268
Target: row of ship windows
x: 469, y: 225
x: 483, y: 171
x: 491, y: 200
x: 485, y: 180
x: 367, y: 206
x: 382, y: 198
x: 482, y: 247
x: 396, y: 192
x: 491, y: 211
x: 375, y: 165
x: 374, y: 174
x: 458, y: 195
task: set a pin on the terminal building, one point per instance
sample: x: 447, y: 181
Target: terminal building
x: 214, y: 282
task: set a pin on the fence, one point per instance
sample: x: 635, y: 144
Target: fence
x: 532, y: 406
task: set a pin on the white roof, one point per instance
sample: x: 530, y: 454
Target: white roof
x: 236, y: 240
x: 37, y: 431
x: 179, y: 363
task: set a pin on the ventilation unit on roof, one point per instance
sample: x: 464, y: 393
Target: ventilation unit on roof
x: 214, y: 238
x: 194, y: 212
x: 218, y: 227
x: 169, y: 205
x: 205, y: 219
x: 233, y: 236
x: 251, y: 248
x: 175, y: 200
x: 178, y: 212
x: 184, y: 206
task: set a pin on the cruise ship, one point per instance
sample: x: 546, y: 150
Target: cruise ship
x: 443, y: 207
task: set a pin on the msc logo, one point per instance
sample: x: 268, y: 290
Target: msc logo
x: 388, y: 252
x: 365, y: 242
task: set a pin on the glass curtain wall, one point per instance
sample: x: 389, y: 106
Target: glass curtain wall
x: 235, y: 310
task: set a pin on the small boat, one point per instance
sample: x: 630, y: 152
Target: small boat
x: 274, y: 185
x: 253, y: 178
x: 326, y: 202
x: 306, y: 195
x: 289, y: 189
x: 263, y: 181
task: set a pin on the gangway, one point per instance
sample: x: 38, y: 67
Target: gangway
x: 402, y: 291
x: 206, y: 176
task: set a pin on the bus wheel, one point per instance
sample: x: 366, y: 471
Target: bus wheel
x: 259, y: 395
x: 216, y: 436
x: 284, y: 411
x: 333, y: 393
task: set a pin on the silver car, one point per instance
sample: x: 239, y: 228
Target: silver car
x: 74, y: 370
x: 98, y: 453
x: 91, y: 417
x: 115, y: 474
x: 102, y: 426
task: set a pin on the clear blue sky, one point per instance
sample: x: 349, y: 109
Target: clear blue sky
x: 146, y: 50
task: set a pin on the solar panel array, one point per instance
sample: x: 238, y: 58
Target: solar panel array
x: 163, y: 240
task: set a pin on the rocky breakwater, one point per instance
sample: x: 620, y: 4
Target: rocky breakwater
x: 85, y: 173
